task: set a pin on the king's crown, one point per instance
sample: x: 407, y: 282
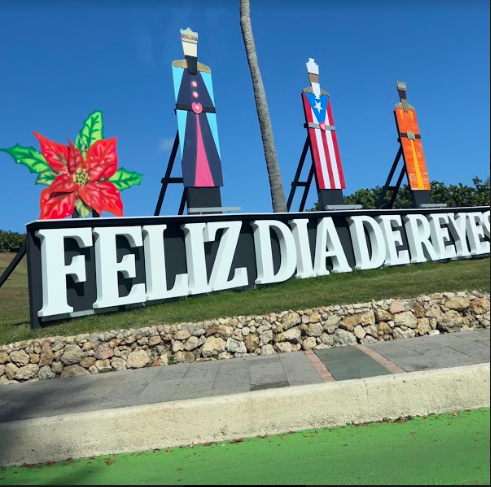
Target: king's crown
x: 401, y: 86
x: 189, y: 36
x: 312, y: 67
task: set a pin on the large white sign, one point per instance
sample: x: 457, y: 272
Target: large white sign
x: 282, y: 250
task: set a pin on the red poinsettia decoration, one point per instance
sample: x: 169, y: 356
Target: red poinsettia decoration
x: 82, y: 178
x: 80, y: 175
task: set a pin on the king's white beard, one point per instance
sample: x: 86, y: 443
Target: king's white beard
x: 316, y: 87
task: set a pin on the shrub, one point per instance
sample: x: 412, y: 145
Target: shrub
x: 11, y: 241
x: 453, y: 195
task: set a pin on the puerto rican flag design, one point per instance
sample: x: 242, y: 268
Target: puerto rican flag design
x: 323, y: 142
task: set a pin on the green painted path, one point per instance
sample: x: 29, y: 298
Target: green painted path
x: 448, y: 449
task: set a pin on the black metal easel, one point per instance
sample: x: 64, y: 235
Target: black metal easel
x: 329, y: 199
x: 168, y: 179
x: 12, y: 266
x: 196, y: 200
x: 302, y: 184
x: 420, y: 199
x: 388, y: 185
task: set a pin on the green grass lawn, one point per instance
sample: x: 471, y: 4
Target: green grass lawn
x: 396, y: 282
x: 451, y: 449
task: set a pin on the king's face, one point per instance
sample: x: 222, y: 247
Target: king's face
x: 190, y: 48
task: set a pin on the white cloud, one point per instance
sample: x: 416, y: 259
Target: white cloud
x: 166, y: 143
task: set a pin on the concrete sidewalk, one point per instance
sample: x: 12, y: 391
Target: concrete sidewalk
x: 202, y: 403
x: 212, y: 379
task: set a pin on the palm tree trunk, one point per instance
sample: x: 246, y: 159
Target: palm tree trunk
x: 276, y: 184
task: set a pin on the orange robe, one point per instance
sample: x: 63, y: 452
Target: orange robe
x: 413, y: 150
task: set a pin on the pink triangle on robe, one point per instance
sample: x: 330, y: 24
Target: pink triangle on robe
x: 204, y: 178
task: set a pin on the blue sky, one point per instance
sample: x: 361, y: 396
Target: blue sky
x: 62, y: 60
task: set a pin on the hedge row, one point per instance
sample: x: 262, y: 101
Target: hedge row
x: 11, y: 241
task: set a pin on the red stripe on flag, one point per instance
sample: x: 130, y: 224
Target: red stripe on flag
x: 317, y: 158
x: 332, y: 182
x: 313, y: 143
x: 336, y: 148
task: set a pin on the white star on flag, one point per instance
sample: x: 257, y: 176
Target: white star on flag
x: 318, y: 106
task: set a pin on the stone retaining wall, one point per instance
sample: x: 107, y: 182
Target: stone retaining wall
x: 161, y: 344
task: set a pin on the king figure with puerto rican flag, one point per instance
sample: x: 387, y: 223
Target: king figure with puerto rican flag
x: 323, y: 141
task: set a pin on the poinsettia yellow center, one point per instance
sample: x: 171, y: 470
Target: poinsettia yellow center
x: 81, y: 177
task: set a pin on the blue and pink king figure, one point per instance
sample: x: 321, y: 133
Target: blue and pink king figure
x: 197, y: 124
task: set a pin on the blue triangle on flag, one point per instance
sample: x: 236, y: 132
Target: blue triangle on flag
x: 319, y: 106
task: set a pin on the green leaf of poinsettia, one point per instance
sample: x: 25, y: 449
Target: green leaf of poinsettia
x: 29, y: 157
x: 124, y: 179
x: 83, y: 210
x: 46, y: 178
x: 92, y: 131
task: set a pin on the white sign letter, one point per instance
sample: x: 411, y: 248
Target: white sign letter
x: 305, y: 266
x: 225, y: 256
x: 476, y: 234
x: 440, y: 236
x: 108, y: 267
x: 329, y: 246
x: 196, y: 259
x: 264, y: 252
x: 357, y: 226
x: 458, y: 227
x: 54, y: 270
x: 487, y: 223
x: 156, y: 269
x: 418, y: 234
x: 393, y: 239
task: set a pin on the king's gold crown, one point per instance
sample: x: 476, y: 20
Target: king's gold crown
x: 189, y: 36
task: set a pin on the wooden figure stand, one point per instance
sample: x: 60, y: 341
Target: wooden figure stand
x: 323, y: 144
x: 197, y: 135
x: 411, y: 150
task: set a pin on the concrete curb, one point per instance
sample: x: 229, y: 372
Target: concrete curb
x: 244, y: 415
